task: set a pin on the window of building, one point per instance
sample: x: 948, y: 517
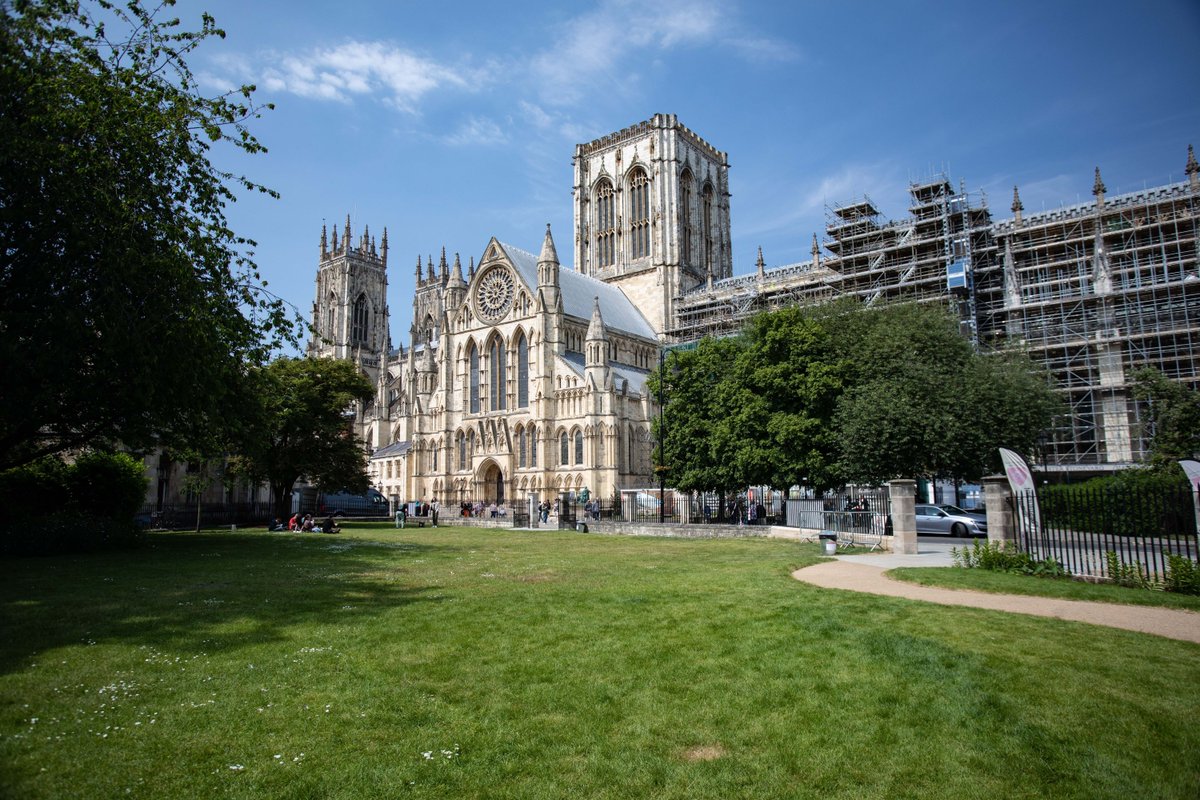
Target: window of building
x: 533, y: 445
x: 521, y: 448
x: 564, y: 446
x: 522, y: 370
x: 497, y: 369
x: 578, y: 447
x: 707, y: 233
x: 606, y: 225
x: 473, y: 376
x: 686, y: 200
x: 358, y: 328
x: 435, y: 458
x: 462, y: 451
x: 639, y: 213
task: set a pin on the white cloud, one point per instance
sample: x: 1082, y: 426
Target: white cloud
x: 353, y: 69
x: 477, y: 131
x: 601, y: 45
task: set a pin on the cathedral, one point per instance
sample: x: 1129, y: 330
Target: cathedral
x: 523, y: 376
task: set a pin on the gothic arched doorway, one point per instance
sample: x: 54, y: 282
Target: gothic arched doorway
x: 493, y: 483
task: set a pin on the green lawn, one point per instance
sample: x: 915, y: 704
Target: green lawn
x: 462, y: 663
x: 985, y: 580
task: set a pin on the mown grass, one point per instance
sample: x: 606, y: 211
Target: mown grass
x: 499, y: 664
x: 985, y: 580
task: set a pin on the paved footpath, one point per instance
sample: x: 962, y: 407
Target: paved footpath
x: 867, y: 574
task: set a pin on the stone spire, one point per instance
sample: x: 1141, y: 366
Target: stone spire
x: 1017, y: 205
x: 443, y: 268
x: 458, y: 273
x: 816, y: 253
x: 346, y: 235
x: 596, y: 346
x: 383, y: 247
x: 366, y: 240
x: 419, y: 277
x: 429, y: 268
x: 760, y: 264
x: 1099, y: 189
x: 324, y: 244
x: 334, y: 245
x: 548, y: 261
x: 1192, y: 170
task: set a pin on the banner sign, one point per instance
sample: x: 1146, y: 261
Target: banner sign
x: 1192, y: 468
x: 1024, y: 489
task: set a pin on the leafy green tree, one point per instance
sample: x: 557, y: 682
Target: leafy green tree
x: 298, y: 427
x: 1173, y: 409
x: 923, y: 402
x: 128, y: 308
x: 694, y: 450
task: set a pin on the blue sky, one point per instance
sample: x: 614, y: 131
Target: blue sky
x: 449, y: 123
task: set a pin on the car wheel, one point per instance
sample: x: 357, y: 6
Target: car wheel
x: 958, y: 530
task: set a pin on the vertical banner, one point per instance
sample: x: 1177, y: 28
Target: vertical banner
x: 1192, y: 468
x: 1020, y: 480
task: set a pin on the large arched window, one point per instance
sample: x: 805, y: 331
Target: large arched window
x: 522, y: 370
x: 687, y: 229
x: 331, y: 318
x: 473, y: 376
x: 606, y: 225
x: 578, y: 447
x: 639, y: 213
x: 564, y: 448
x: 462, y: 451
x: 358, y: 326
x: 496, y: 374
x: 707, y: 232
x: 533, y: 445
x: 521, y: 445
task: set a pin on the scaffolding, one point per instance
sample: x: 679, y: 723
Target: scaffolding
x: 1093, y: 291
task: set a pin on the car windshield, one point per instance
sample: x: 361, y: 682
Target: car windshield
x: 949, y: 509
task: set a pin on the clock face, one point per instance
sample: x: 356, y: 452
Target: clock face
x: 495, y: 294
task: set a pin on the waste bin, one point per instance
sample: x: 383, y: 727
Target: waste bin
x: 829, y: 540
x: 581, y: 527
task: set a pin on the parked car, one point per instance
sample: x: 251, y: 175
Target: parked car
x: 979, y: 516
x: 932, y: 519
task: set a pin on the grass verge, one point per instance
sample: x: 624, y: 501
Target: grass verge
x: 985, y: 580
x: 475, y: 663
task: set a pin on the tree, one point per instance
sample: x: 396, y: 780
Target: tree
x: 299, y: 427
x: 1173, y: 410
x: 923, y: 402
x: 128, y: 308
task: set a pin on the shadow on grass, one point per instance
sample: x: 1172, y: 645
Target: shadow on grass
x: 202, y: 592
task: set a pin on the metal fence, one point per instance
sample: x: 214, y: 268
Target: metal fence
x: 186, y: 516
x: 1079, y: 528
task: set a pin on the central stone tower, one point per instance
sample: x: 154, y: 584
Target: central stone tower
x: 651, y: 208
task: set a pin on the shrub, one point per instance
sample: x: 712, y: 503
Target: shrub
x: 54, y: 507
x: 994, y: 556
x: 1131, y: 575
x: 1182, y: 575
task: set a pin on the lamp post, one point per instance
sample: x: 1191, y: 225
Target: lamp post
x: 662, y: 442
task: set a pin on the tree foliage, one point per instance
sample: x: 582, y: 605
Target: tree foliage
x: 1174, y: 416
x: 838, y: 393
x: 127, y: 305
x: 298, y: 427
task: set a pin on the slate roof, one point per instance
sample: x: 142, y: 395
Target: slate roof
x: 392, y: 450
x: 635, y: 378
x: 578, y: 291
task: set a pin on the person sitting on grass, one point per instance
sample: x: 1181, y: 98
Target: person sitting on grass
x: 329, y: 526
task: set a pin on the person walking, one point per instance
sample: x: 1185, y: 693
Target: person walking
x: 401, y: 515
x: 434, y: 507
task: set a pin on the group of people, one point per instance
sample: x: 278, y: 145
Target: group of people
x: 305, y: 523
x: 427, y: 511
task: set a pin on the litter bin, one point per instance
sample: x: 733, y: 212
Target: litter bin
x: 829, y: 540
x: 581, y: 527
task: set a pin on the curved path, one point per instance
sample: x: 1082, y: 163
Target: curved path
x: 856, y: 576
